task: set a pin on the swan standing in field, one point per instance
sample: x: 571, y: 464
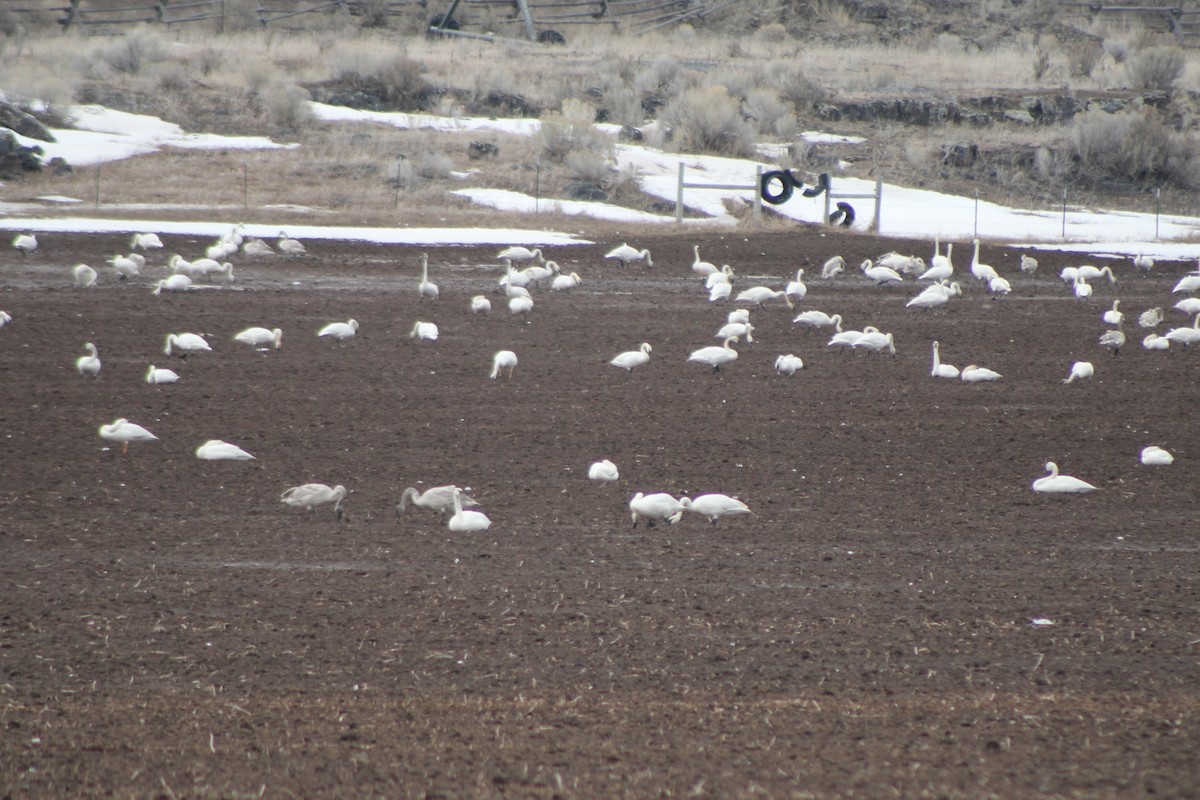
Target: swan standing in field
x: 1090, y: 273
x: 720, y: 291
x: 341, y: 331
x: 819, y: 319
x: 257, y: 247
x: 518, y: 253
x: 503, y: 360
x: 973, y: 373
x: 941, y: 370
x: 876, y: 342
x: 1187, y: 284
x: 1083, y: 289
x: 723, y: 275
x: 260, y: 338
x: 481, y: 305
x: 156, y: 375
x: 716, y: 357
x: 981, y: 271
x: 435, y: 498
x: 833, y: 267
x: 84, y: 276
x: 905, y: 265
x: 311, y: 495
x: 564, y: 282
x: 1155, y: 342
x: 604, y: 470
x: 655, y: 507
x: 186, y: 344
x: 999, y: 286
x: 426, y: 288
x: 1114, y: 340
x: 632, y: 358
x: 789, y: 364
x: 929, y: 300
x: 1029, y: 264
x: 1185, y: 336
x: 290, y: 246
x: 538, y: 272
x: 881, y: 276
x: 89, y: 364
x: 699, y: 266
x: 124, y: 431
x: 715, y: 506
x: 1156, y: 456
x: 205, y: 267
x: 1143, y: 263
x: 1055, y: 483
x: 1114, y: 316
x: 217, y: 450
x: 1069, y: 274
x: 26, y: 243
x: 427, y: 331
x: 1151, y: 318
x: 627, y: 255
x: 797, y: 289
x: 940, y: 266
x: 1189, y: 306
x: 847, y: 339
x: 466, y: 521
x: 1080, y: 370
x: 179, y: 265
x: 173, y: 283
x: 761, y: 294
x: 145, y: 241
x: 737, y: 329
x: 126, y: 267
x: 520, y: 305
x: 5, y: 318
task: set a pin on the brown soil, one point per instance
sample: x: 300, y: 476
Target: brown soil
x: 170, y: 629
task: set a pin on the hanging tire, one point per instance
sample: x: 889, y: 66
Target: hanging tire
x: 786, y: 186
x: 822, y: 186
x: 844, y: 216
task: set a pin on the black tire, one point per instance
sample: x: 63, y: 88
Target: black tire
x: 844, y: 216
x: 786, y: 182
x: 442, y: 22
x: 551, y: 37
x: 822, y: 186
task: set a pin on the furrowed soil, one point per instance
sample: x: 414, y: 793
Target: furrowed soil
x: 169, y: 628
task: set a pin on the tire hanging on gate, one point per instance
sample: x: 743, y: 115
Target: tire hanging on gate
x: 786, y: 183
x: 844, y: 216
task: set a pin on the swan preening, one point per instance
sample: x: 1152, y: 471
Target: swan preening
x: 127, y: 267
x: 426, y: 288
x: 124, y: 431
x: 716, y: 357
x: 84, y: 276
x: 1063, y: 484
x: 715, y: 506
x: 1029, y: 264
x: 156, y: 375
x: 311, y: 495
x: 427, y: 331
x: 738, y: 329
x: 833, y: 267
x: 1143, y: 263
x: 25, y: 242
x: 1156, y: 456
x: 290, y: 246
x: 466, y: 521
x: 435, y: 498
x: 1114, y: 340
x: 89, y: 364
x: 604, y: 470
x: 1151, y: 317
x: 941, y: 370
x: 481, y: 305
x: 503, y: 360
x: 1155, y: 342
x: 217, y: 450
x: 341, y: 331
x: 260, y: 338
x: 627, y: 255
x: 186, y: 344
x: 788, y: 364
x: 656, y: 507
x: 632, y: 358
x: 564, y: 282
x: 1080, y: 370
x: 973, y: 373
x: 880, y: 275
x: 257, y: 247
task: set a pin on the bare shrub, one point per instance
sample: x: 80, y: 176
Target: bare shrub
x: 1082, y: 58
x: 286, y: 105
x: 1133, y: 146
x: 772, y: 115
x: 431, y: 166
x: 793, y: 86
x: 623, y: 106
x: 133, y: 51
x: 773, y: 33
x: 1157, y: 68
x: 1041, y: 63
x: 564, y: 132
x: 172, y: 77
x: 1117, y: 49
x: 659, y: 76
x: 588, y: 166
x: 706, y: 119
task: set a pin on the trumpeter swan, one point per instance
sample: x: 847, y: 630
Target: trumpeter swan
x: 1029, y: 264
x: 797, y: 289
x: 981, y: 271
x: 261, y: 338
x: 941, y: 267
x: 145, y: 241
x: 627, y: 255
x: 180, y: 265
x: 427, y: 331
x: 257, y: 247
x: 1114, y: 316
x: 311, y: 495
x: 819, y: 319
x: 25, y: 242
x: 341, y: 331
x: 737, y: 329
x: 880, y: 275
x: 928, y: 300
x: 290, y: 246
x: 905, y: 265
x: 512, y: 290
x: 1069, y: 274
x: 999, y: 286
x: 723, y: 275
x: 715, y: 506
x: 720, y: 291
x: 126, y: 267
x: 789, y: 364
x: 833, y: 267
x: 632, y: 358
x: 875, y: 342
x: 603, y: 470
x: 564, y: 282
x: 1151, y: 317
x: 941, y: 370
x: 1080, y: 370
x: 220, y: 249
x: 156, y: 375
x: 124, y: 431
x: 1083, y: 289
x: 173, y: 283
x: 1156, y: 456
x: 480, y: 305
x: 1090, y: 273
x: 435, y: 498
x: 1060, y: 483
x: 85, y: 276
x: 1143, y: 263
x: 210, y: 266
x: 973, y: 373
x: 1114, y: 340
x: 847, y: 339
x: 1188, y: 284
x: 716, y: 357
x: 699, y: 266
x: 518, y: 253
x: 738, y: 315
x: 89, y: 364
x: 503, y: 360
x: 5, y: 318
x: 217, y: 450
x: 758, y: 295
x: 466, y: 521
x: 520, y: 305
x: 538, y: 272
x: 186, y: 344
x: 1189, y: 306
x: 1185, y: 336
x: 1156, y: 342
x: 655, y: 507
x: 426, y: 288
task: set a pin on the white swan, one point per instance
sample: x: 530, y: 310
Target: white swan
x: 655, y: 507
x: 1029, y: 264
x: 758, y: 295
x: 156, y: 375
x: 1114, y: 316
x: 1185, y: 336
x: 627, y: 255
x: 89, y: 364
x: 204, y: 267
x: 217, y: 450
x: 1143, y: 263
x: 632, y: 358
x: 514, y: 289
x: 427, y: 331
x: 564, y: 282
x: 1083, y: 289
x: 1060, y: 483
x: 847, y: 339
x: 1080, y: 370
x: 1090, y: 273
x: 220, y: 249
x: 1156, y: 342
x: 178, y: 264
x: 1156, y: 456
x: 290, y: 246
x: 520, y: 305
x: 716, y: 357
x: 436, y: 498
x: 426, y: 288
x: 311, y: 495
x: 173, y: 283
x: 1114, y: 340
x: 604, y: 470
x: 737, y: 329
x: 940, y: 266
x: 819, y: 319
x: 1188, y: 284
x: 875, y: 342
x: 503, y: 360
x: 797, y: 289
x: 880, y: 275
x: 723, y: 275
x: 973, y: 373
x: 25, y: 242
x: 1151, y: 318
x: 941, y: 370
x: 480, y: 305
x: 720, y: 291
x: 5, y: 318
x: 789, y: 364
x: 1189, y: 306
x: 518, y: 253
x: 999, y: 286
x: 341, y: 331
x: 929, y: 300
x: 84, y: 276
x: 538, y: 272
x: 124, y: 431
x: 715, y: 506
x: 466, y: 521
x: 126, y: 267
x: 257, y: 247
x: 186, y: 344
x: 1069, y: 274
x: 261, y: 338
x: 738, y: 315
x: 981, y: 271
x: 699, y: 266
x: 145, y: 241
x: 833, y: 267
x: 905, y: 265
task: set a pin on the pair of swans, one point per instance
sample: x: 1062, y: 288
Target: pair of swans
x: 737, y: 330
x: 626, y: 255
x: 905, y: 265
x: 124, y: 431
x: 632, y: 358
x: 311, y: 495
x: 655, y: 507
x: 339, y: 331
x: 847, y: 339
x: 789, y: 364
x: 940, y: 266
x: 89, y: 364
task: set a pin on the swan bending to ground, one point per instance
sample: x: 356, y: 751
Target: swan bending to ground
x: 833, y: 267
x: 819, y: 319
x: 217, y: 450
x: 173, y: 283
x: 124, y: 431
x: 518, y: 253
x: 789, y: 364
x: 89, y: 364
x: 520, y: 305
x: 761, y: 294
x: 723, y: 275
x: 480, y: 305
x: 341, y: 331
x: 503, y: 360
x: 876, y: 342
x: 627, y: 255
x: 655, y: 507
x: 25, y: 242
x: 1080, y: 370
x: 1188, y: 283
x: 1189, y: 306
x: 941, y: 370
x: 186, y: 344
x: 973, y: 373
x: 1185, y: 336
x: 714, y: 356
x: 848, y: 338
x: 156, y: 375
x: 261, y: 338
x: 604, y: 470
x: 85, y: 276
x: 311, y: 495
x: 426, y: 288
x: 427, y: 331
x: 290, y: 246
x: 715, y: 506
x: 564, y: 282
x: 126, y: 267
x: 1029, y: 264
x: 1056, y: 483
x: 1090, y: 273
x: 466, y: 521
x: 435, y: 498
x: 632, y: 358
x: 145, y: 241
x: 1156, y: 456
